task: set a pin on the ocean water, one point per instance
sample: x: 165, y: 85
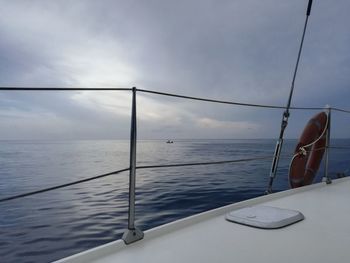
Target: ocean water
x: 56, y: 224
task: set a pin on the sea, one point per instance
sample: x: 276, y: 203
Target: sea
x: 52, y: 225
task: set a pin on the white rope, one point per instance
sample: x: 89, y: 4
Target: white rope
x: 302, y: 148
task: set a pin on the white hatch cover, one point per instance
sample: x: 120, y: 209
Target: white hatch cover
x: 268, y: 217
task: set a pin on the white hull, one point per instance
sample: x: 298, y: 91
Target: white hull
x: 324, y: 235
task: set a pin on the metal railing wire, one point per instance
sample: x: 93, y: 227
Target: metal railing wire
x: 127, y: 169
x: 62, y: 89
x: 340, y: 147
x: 256, y: 105
x: 340, y: 110
x: 202, y: 163
x: 142, y: 167
x: 225, y: 102
x: 61, y: 185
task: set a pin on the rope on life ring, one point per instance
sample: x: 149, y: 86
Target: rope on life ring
x: 309, y: 151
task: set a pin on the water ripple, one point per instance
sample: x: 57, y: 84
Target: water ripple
x: 63, y: 222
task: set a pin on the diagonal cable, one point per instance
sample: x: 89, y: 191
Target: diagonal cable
x: 61, y: 186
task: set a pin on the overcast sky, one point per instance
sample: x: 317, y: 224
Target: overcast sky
x: 239, y: 50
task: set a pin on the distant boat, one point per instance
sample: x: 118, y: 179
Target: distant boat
x: 169, y: 141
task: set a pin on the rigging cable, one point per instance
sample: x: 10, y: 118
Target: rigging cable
x: 286, y: 113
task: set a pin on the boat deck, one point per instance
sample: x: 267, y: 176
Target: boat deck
x: 323, y: 236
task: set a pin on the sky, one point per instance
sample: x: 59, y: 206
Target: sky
x: 237, y: 50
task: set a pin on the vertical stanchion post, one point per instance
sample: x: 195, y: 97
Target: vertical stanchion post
x: 326, y: 177
x: 132, y: 234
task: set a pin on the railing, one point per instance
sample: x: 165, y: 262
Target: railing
x: 133, y: 233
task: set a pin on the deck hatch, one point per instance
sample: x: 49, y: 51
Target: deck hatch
x: 267, y: 217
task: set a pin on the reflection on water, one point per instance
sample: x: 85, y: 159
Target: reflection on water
x: 56, y: 224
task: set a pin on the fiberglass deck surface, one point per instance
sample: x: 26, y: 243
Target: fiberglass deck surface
x: 324, y: 235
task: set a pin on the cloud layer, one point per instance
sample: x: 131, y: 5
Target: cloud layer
x: 232, y: 50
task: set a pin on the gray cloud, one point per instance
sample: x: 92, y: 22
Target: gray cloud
x: 232, y: 50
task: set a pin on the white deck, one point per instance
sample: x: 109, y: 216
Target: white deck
x: 324, y: 235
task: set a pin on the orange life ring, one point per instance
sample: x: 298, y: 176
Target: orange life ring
x: 308, y: 155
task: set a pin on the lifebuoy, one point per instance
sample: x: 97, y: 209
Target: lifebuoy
x: 309, y: 151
